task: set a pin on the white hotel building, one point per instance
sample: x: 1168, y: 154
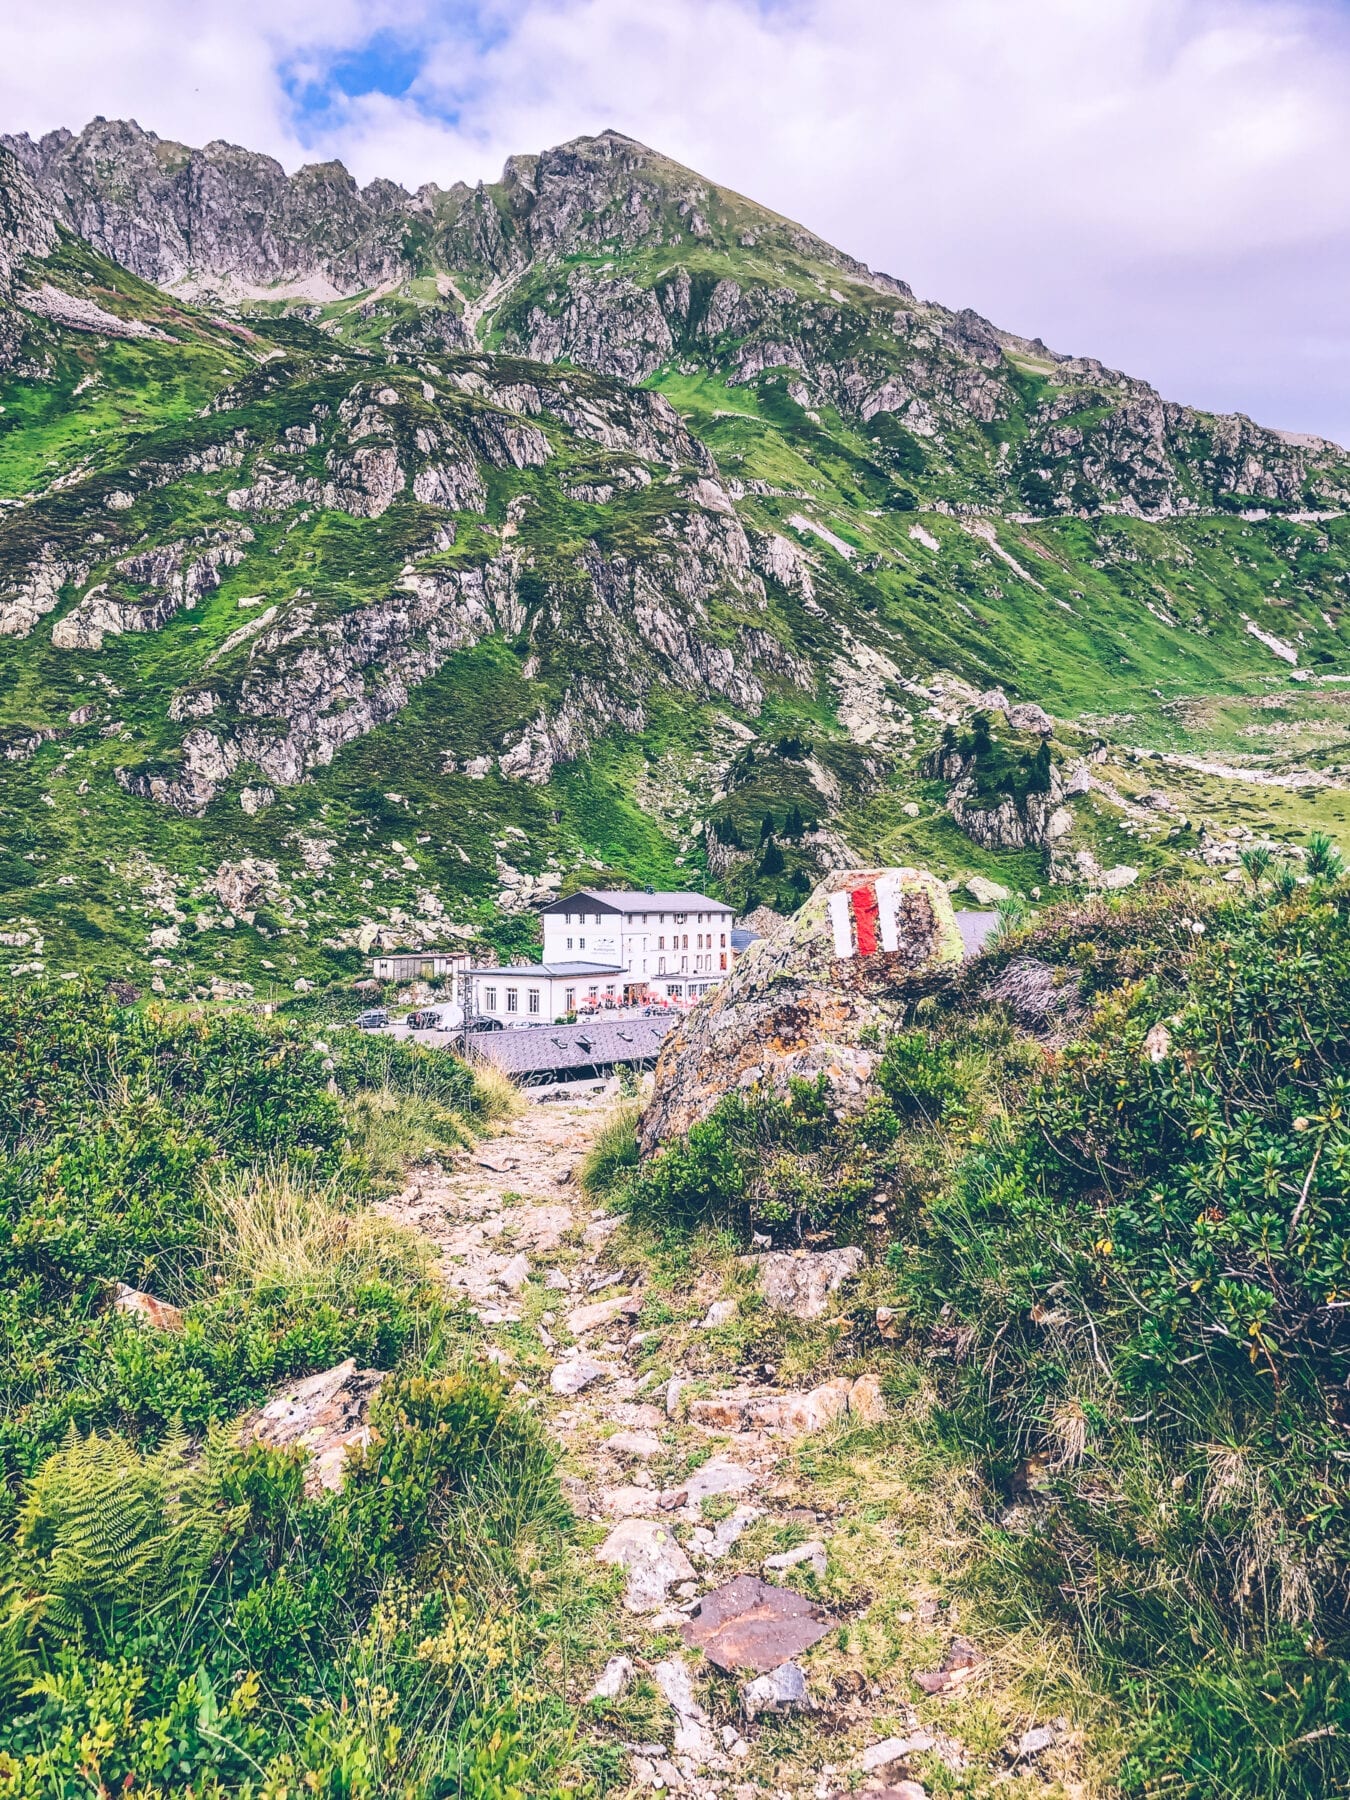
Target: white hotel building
x: 613, y: 946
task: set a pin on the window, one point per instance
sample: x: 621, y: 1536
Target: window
x: 567, y: 918
x: 569, y: 943
x: 513, y: 999
x: 661, y: 942
x: 680, y: 918
x: 724, y: 959
x: 532, y: 1000
x: 569, y: 999
x: 686, y: 940
x: 724, y: 945
x: 676, y: 991
x: 609, y: 991
x: 581, y: 943
x: 489, y: 999
x: 593, y: 992
x: 661, y: 963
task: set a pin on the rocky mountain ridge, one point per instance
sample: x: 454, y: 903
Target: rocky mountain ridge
x: 520, y: 260
x: 594, y: 519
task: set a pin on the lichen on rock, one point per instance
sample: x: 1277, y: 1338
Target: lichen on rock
x: 796, y: 1006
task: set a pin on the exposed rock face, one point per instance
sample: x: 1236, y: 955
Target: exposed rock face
x: 801, y: 1283
x: 220, y: 216
x: 326, y: 1415
x: 796, y: 1006
x: 27, y: 228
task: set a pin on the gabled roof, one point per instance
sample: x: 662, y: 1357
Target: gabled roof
x: 556, y: 1049
x: 637, y: 900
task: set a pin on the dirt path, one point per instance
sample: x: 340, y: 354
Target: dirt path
x: 689, y: 1480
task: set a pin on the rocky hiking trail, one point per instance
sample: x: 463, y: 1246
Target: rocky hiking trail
x: 779, y: 1625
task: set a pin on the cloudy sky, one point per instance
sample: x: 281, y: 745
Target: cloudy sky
x: 1161, y: 183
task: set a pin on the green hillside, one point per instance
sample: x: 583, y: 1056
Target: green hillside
x: 619, y: 529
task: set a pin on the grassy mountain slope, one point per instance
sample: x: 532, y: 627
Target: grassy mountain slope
x: 595, y: 521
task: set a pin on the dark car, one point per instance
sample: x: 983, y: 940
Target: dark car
x: 484, y: 1022
x: 374, y: 1020
x: 423, y: 1021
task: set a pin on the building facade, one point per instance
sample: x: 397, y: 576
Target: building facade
x: 672, y: 946
x: 612, y: 947
x: 542, y: 993
x: 419, y: 965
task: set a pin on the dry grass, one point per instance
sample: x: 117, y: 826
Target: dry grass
x: 497, y: 1095
x: 278, y: 1227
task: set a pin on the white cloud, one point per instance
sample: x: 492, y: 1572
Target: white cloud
x: 1163, y: 183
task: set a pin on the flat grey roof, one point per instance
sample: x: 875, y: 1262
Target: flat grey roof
x: 555, y: 1049
x: 558, y: 969
x: 631, y: 900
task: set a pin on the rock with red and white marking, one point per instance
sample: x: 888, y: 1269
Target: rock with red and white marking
x: 806, y: 1001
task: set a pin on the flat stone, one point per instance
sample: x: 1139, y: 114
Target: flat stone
x: 647, y: 1550
x: 801, y: 1282
x: 326, y: 1414
x: 641, y: 1444
x: 715, y: 1543
x: 899, y: 1790
x: 693, y: 1733
x: 576, y: 1373
x: 717, y: 1476
x: 157, y: 1314
x: 618, y: 1672
x: 721, y: 1312
x: 747, y: 1624
x: 626, y: 1502
x: 1038, y: 1739
x: 782, y: 1690
x: 1122, y: 876
x: 536, y: 1227
x: 812, y: 1552
x: 804, y: 1413
x: 515, y: 1273
x: 893, y: 1750
x: 865, y: 1403
x: 719, y: 1412
x: 639, y: 1415
x: 601, y: 1312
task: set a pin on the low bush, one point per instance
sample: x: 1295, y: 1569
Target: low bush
x: 177, y: 1616
x: 1126, y: 1256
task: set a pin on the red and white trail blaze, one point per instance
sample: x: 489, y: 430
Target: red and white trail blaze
x: 864, y: 918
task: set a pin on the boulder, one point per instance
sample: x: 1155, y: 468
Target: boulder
x: 801, y: 1282
x: 986, y: 892
x: 802, y: 1002
x: 326, y: 1414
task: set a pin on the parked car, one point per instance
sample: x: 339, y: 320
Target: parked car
x: 426, y: 1020
x: 374, y: 1020
x: 484, y: 1022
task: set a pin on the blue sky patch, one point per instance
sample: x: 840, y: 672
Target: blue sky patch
x: 316, y: 85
